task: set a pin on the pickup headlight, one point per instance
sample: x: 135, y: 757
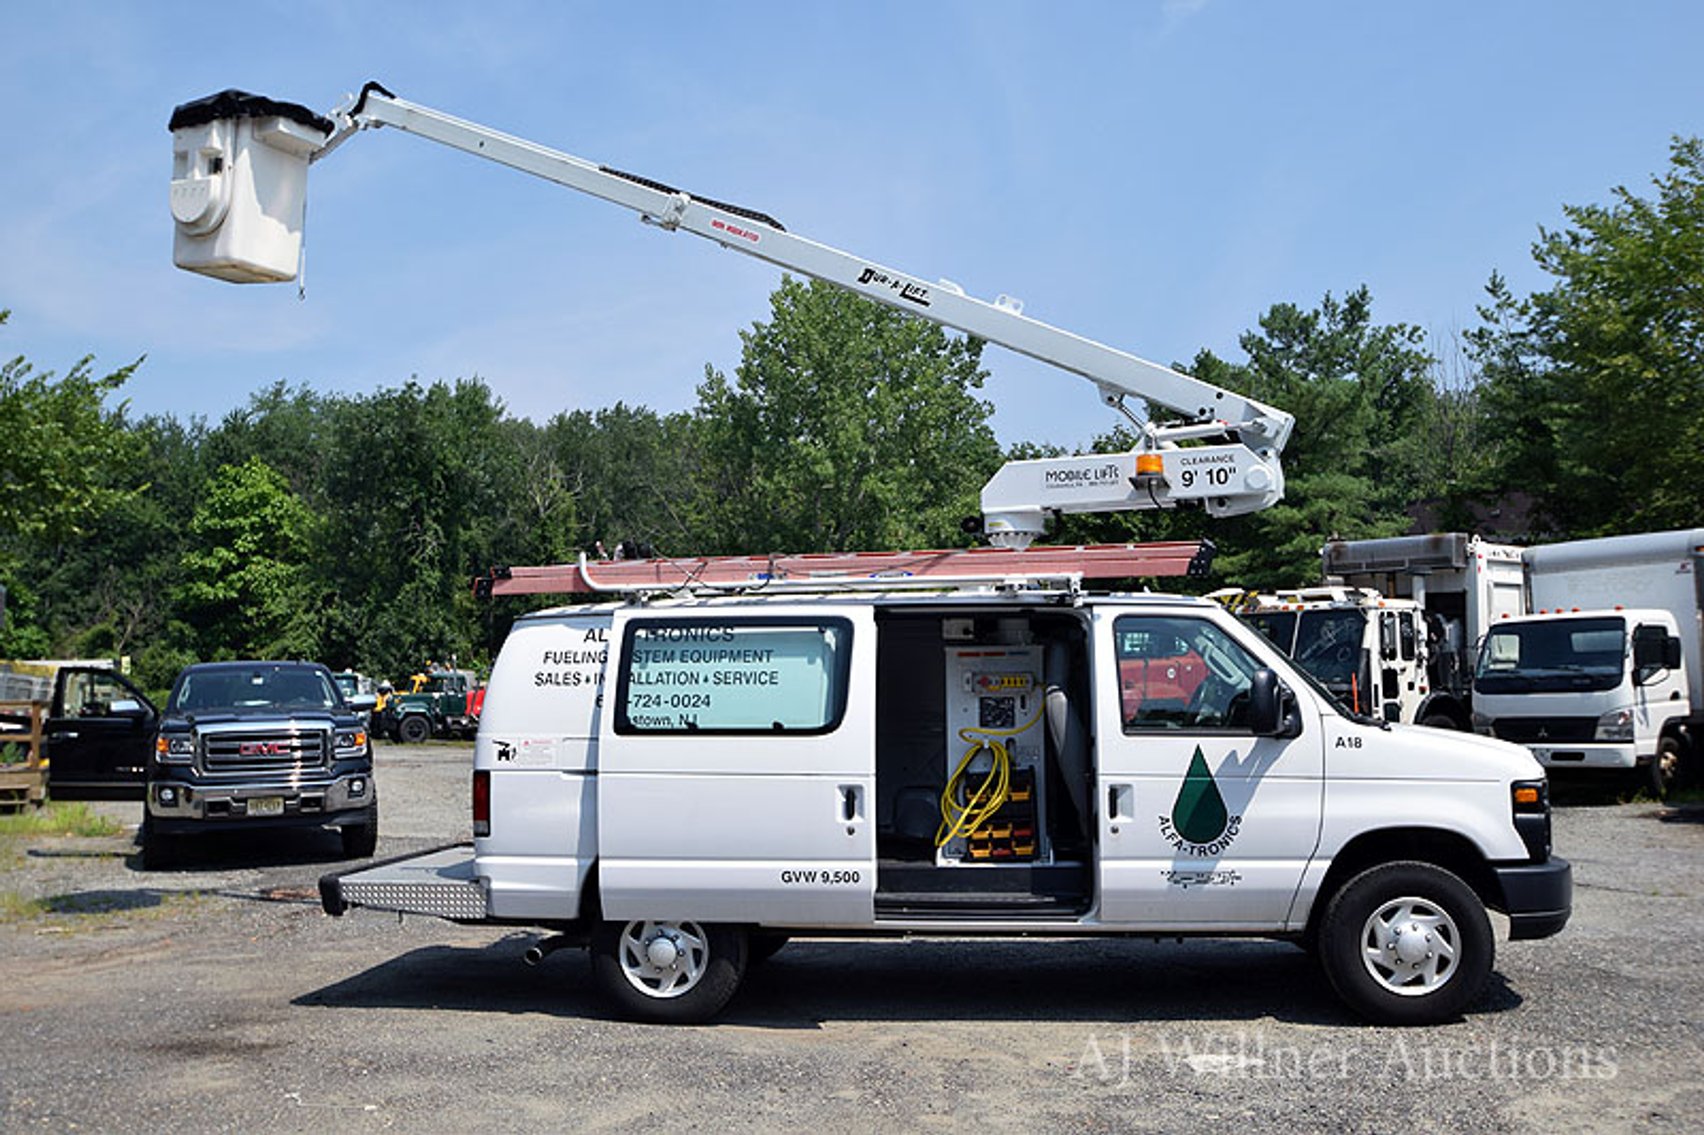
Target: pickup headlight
x: 1616, y: 725
x: 178, y: 750
x: 352, y: 739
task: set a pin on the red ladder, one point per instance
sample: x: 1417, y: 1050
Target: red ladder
x: 1076, y: 563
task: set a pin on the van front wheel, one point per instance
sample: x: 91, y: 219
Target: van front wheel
x: 668, y: 972
x: 1406, y: 944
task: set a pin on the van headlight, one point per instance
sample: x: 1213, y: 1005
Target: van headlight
x: 1616, y: 725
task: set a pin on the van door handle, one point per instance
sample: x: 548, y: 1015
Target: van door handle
x: 851, y: 803
x: 1120, y: 802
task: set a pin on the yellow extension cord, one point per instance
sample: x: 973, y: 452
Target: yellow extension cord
x: 991, y: 795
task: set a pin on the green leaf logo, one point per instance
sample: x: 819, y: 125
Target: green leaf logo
x: 1199, y: 814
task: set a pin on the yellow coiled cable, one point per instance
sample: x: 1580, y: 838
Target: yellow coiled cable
x: 991, y: 795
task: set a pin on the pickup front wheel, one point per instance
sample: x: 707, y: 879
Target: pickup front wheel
x: 1406, y: 944
x: 361, y: 840
x: 668, y: 972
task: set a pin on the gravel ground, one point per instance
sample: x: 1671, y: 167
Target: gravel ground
x: 218, y: 997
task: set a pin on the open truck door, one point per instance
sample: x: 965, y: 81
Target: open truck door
x: 98, y: 735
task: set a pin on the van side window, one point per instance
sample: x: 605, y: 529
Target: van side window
x: 752, y: 675
x: 1180, y: 673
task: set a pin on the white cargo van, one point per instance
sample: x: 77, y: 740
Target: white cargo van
x: 683, y: 784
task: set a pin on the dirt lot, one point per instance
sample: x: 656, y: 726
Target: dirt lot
x: 219, y: 997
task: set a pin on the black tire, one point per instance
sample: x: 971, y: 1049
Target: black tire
x: 1437, y: 945
x: 361, y: 840
x: 1667, y: 770
x: 414, y: 730
x: 158, y: 851
x: 709, y: 962
x: 761, y: 945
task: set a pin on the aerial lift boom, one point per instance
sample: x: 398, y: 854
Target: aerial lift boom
x: 1222, y: 452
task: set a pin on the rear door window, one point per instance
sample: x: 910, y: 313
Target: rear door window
x: 733, y: 676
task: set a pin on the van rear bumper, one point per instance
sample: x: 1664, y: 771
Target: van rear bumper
x: 1537, y: 897
x: 440, y: 883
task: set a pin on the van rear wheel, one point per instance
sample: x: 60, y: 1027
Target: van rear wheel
x: 1406, y: 943
x: 668, y: 972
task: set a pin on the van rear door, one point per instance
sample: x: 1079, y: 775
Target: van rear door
x: 737, y: 766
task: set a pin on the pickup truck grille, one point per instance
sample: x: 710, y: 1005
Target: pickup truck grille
x: 1540, y: 730
x: 269, y: 751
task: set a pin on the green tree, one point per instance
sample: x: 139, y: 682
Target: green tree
x: 246, y: 576
x: 65, y: 460
x: 848, y: 425
x: 1595, y: 387
x: 62, y: 447
x: 630, y: 472
x: 420, y: 482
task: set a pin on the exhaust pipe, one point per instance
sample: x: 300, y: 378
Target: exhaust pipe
x: 545, y: 947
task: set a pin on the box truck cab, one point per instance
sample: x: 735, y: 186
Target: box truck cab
x: 1606, y: 673
x: 683, y: 784
x: 1594, y: 689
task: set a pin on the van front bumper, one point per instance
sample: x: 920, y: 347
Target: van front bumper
x: 1537, y: 897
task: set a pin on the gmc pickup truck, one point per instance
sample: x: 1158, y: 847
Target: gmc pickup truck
x: 258, y: 744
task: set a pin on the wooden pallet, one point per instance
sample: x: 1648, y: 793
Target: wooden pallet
x: 23, y: 779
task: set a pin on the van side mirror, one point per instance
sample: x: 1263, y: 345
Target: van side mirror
x: 1271, y: 707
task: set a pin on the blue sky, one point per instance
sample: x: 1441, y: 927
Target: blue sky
x: 1154, y: 174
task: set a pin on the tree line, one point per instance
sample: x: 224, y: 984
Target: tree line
x: 347, y: 527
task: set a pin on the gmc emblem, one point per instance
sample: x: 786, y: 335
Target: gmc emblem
x: 264, y: 749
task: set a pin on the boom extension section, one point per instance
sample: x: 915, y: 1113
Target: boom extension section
x: 1222, y: 452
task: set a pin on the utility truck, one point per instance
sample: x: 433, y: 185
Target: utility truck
x: 731, y: 752
x: 443, y: 702
x: 1372, y: 652
x: 1605, y: 673
x: 1460, y: 586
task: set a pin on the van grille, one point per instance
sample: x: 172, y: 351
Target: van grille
x: 268, y: 751
x: 1542, y: 730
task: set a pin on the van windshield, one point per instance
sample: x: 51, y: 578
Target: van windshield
x: 1552, y: 656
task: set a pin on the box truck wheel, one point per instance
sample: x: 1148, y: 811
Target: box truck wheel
x: 668, y: 972
x: 1666, y: 771
x: 1406, y: 944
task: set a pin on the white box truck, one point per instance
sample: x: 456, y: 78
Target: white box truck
x: 1606, y: 673
x: 1461, y: 584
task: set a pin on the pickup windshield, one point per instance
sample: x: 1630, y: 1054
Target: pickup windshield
x: 244, y: 689
x: 1552, y: 656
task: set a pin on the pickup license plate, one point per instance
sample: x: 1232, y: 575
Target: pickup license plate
x: 266, y: 806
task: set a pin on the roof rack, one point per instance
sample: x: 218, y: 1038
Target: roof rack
x: 1070, y: 565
